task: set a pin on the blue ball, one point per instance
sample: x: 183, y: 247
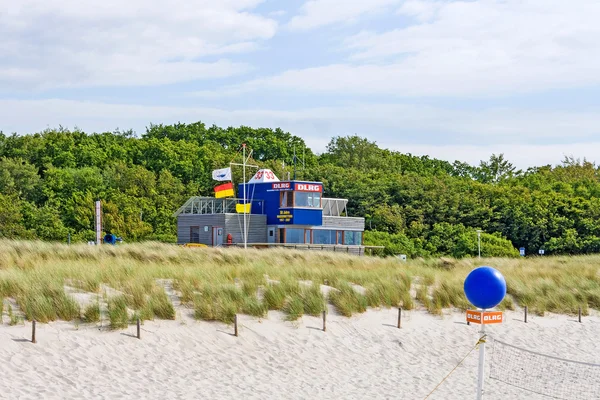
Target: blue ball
x: 485, y: 287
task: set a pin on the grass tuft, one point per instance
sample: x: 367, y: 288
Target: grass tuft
x: 92, y: 313
x: 274, y: 296
x: 347, y: 300
x: 117, y: 312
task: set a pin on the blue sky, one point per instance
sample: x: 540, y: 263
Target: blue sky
x: 450, y: 79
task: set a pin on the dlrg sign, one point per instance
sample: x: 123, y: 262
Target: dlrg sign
x: 308, y: 187
x: 486, y: 318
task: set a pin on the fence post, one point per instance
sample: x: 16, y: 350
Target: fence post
x: 138, y: 328
x: 525, y: 314
x: 324, y: 321
x: 399, y: 317
x: 235, y: 325
x: 33, y: 332
x: 579, y: 314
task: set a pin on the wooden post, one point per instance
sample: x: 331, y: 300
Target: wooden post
x: 324, y: 321
x: 525, y: 314
x: 580, y: 314
x: 235, y: 325
x: 33, y: 332
x: 399, y: 317
x: 138, y: 329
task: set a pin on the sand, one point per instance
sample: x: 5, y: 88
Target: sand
x: 363, y: 357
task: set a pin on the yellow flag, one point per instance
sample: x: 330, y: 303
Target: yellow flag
x: 243, y: 208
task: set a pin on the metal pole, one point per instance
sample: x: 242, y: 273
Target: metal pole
x: 98, y: 223
x: 481, y: 363
x: 479, y: 243
x: 245, y: 238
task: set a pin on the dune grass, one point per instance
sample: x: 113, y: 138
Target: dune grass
x: 218, y: 283
x: 92, y: 313
x: 118, y: 313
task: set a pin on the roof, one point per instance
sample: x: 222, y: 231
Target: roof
x: 264, y: 175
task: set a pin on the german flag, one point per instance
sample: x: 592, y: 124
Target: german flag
x: 224, y: 190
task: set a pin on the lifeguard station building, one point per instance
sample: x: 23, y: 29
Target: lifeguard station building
x: 278, y: 213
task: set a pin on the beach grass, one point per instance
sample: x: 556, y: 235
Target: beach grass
x: 219, y: 283
x: 92, y: 313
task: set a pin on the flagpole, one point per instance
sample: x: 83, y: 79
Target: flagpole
x: 245, y: 234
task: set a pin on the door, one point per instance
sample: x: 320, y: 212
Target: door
x: 217, y: 237
x: 271, y: 235
x: 281, y: 235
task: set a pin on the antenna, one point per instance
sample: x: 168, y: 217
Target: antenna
x: 303, y: 162
x: 294, y: 162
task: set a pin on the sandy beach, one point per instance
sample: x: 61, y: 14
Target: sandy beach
x: 363, y: 357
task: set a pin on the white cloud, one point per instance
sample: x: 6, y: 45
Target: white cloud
x: 109, y: 42
x: 527, y: 138
x: 317, y: 13
x: 461, y: 48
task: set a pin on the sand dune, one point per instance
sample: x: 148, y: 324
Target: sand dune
x: 363, y: 357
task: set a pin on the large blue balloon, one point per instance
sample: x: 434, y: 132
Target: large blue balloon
x: 485, y: 287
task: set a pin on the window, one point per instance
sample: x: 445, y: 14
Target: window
x: 308, y: 199
x: 286, y: 199
x: 323, y: 236
x: 340, y: 237
x: 307, y: 236
x: 316, y: 200
x: 294, y: 235
x: 194, y: 234
x: 352, y: 238
x: 358, y: 238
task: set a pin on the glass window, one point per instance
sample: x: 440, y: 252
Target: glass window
x: 194, y: 234
x: 348, y: 238
x: 287, y: 199
x: 302, y: 199
x: 294, y: 235
x: 308, y: 199
x: 316, y: 200
x: 358, y: 238
x: 340, y: 237
x: 307, y: 236
x: 323, y: 236
x: 352, y: 238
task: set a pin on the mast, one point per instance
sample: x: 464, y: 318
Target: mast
x: 244, y: 165
x: 245, y: 231
x: 294, y: 162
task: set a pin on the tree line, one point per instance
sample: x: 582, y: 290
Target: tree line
x: 413, y: 205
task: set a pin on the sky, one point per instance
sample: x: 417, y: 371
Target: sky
x: 455, y: 80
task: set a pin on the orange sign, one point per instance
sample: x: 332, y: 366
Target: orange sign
x: 488, y: 317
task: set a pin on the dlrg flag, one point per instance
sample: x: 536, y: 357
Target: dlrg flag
x: 223, y: 174
x: 224, y: 190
